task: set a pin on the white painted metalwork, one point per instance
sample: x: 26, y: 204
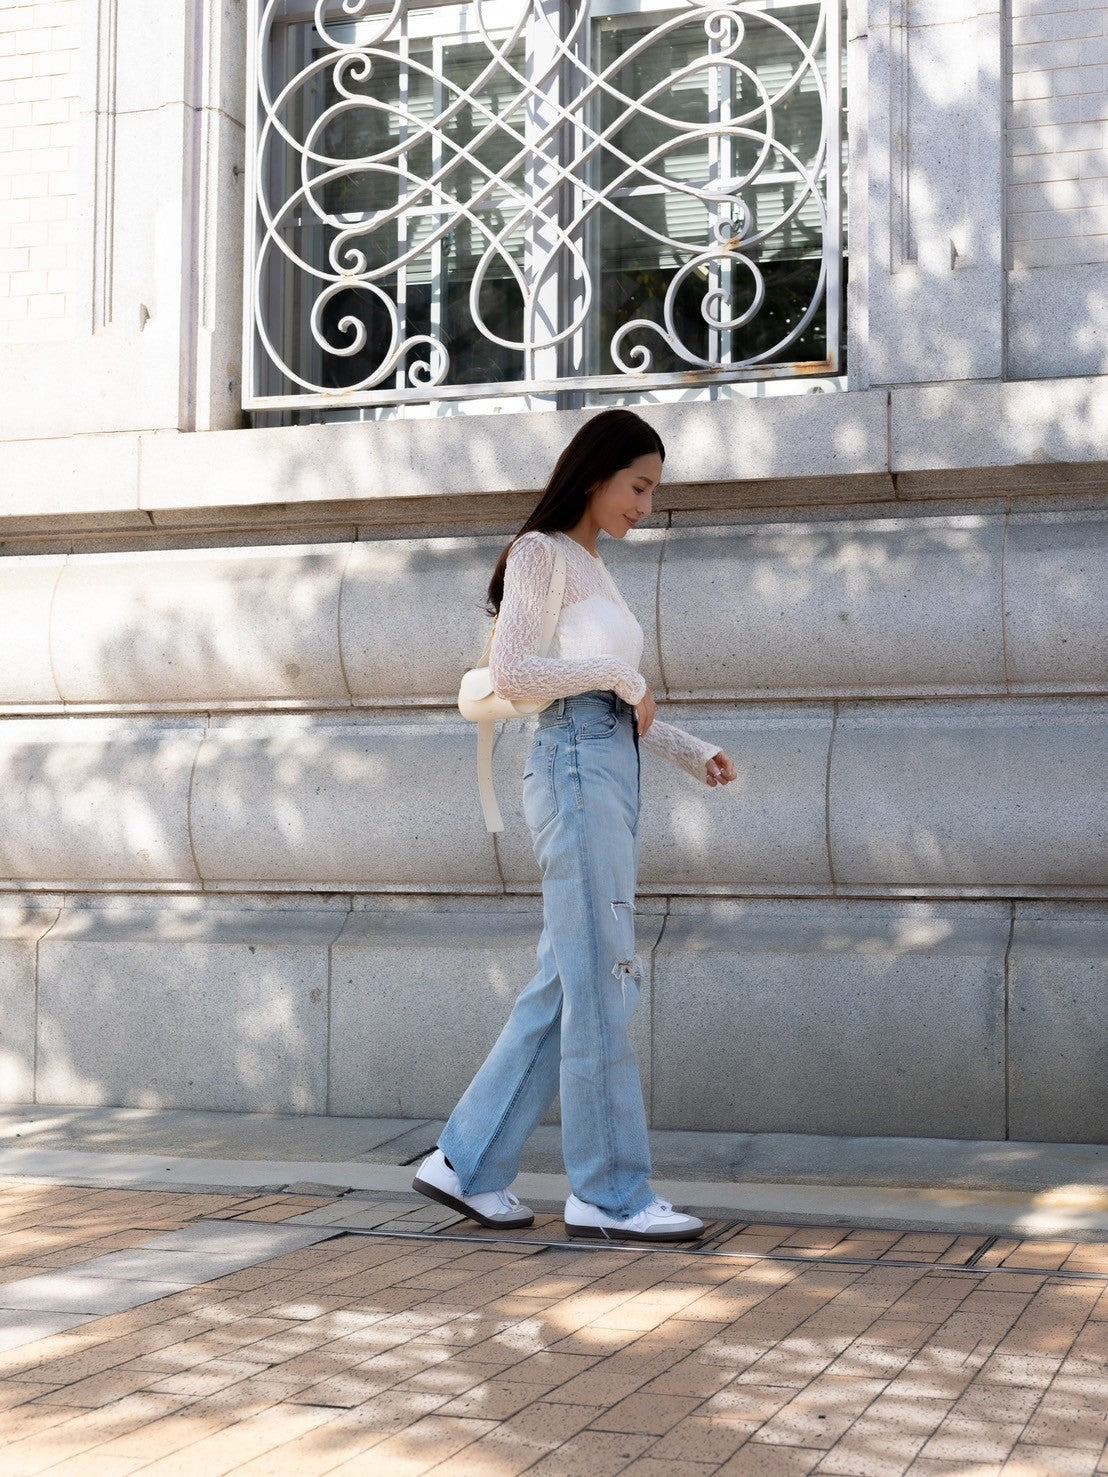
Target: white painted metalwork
x: 535, y: 196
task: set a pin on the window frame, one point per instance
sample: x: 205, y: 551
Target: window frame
x: 566, y: 381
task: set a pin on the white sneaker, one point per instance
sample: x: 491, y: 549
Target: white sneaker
x: 658, y: 1222
x: 492, y: 1208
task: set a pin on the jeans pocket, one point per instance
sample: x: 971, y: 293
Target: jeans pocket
x: 601, y: 727
x: 540, y: 800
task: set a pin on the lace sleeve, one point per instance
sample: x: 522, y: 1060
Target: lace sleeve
x: 518, y: 672
x: 680, y: 748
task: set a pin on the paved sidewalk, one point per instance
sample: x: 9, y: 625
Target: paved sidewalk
x: 367, y: 1334
x: 914, y: 1183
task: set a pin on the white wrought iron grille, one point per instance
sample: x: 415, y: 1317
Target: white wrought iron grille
x: 534, y: 196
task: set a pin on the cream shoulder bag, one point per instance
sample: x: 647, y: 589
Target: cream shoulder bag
x: 477, y: 699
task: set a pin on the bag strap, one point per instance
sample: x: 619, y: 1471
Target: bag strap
x: 486, y: 737
x: 488, y: 645
x: 486, y: 728
x: 554, y: 596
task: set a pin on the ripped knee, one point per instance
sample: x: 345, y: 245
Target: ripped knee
x: 630, y: 968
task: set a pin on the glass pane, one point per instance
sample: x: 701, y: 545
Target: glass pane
x: 412, y: 213
x: 418, y: 172
x: 712, y: 171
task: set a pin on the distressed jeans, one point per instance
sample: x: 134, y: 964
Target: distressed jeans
x: 568, y: 1030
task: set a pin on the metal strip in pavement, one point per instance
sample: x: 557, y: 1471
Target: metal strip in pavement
x: 687, y: 1248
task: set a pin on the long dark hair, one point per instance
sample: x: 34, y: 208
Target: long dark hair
x: 605, y: 445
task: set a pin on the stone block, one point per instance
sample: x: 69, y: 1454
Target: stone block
x: 930, y: 113
x: 139, y: 369
x: 109, y: 386
x: 240, y: 625
x: 830, y: 608
x: 165, y: 1009
x: 778, y: 440
x: 1041, y: 434
x: 446, y: 466
x: 70, y: 1292
x: 997, y: 795
x: 216, y: 372
x: 779, y: 449
x: 1056, y: 599
x: 344, y: 803
x: 402, y: 983
x: 342, y: 463
x: 187, y: 1269
x: 397, y: 644
x: 26, y: 590
x: 831, y: 1017
x: 149, y: 266
x: 165, y: 74
x: 128, y: 375
x: 765, y: 831
x: 1058, y: 1023
x: 1001, y: 795
x: 962, y: 340
x: 225, y: 79
x: 81, y: 478
x: 96, y: 799
x: 197, y: 61
x: 258, y: 1242
x: 197, y: 626
x: 19, y: 1327
x: 1058, y: 320
x: 403, y: 650
x: 813, y: 608
x: 22, y: 925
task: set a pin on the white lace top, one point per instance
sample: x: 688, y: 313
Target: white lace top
x: 597, y: 642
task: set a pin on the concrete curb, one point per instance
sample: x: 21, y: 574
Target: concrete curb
x: 1078, y: 1211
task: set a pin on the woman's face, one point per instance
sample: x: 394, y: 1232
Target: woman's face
x: 618, y: 504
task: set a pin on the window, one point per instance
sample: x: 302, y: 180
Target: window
x: 541, y: 197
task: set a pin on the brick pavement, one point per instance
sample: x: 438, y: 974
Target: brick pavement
x: 394, y: 1348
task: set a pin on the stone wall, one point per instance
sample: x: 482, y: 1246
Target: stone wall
x: 961, y: 1020
x: 242, y: 860
x: 915, y: 703
x: 39, y: 99
x: 1057, y: 188
x: 244, y: 864
x: 149, y: 162
x: 1057, y: 134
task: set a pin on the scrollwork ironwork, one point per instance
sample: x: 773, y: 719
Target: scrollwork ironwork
x: 536, y: 150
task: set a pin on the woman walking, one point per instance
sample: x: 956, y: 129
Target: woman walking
x: 568, y: 1030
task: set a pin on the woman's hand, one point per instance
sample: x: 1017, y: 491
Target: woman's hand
x: 645, y: 712
x: 719, y: 770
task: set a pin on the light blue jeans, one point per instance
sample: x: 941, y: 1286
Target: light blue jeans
x: 568, y: 1029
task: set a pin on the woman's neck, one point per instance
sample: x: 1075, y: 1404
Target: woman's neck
x: 580, y: 541
x: 585, y: 532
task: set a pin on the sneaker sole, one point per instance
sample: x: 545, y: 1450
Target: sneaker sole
x: 599, y: 1233
x: 434, y: 1193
